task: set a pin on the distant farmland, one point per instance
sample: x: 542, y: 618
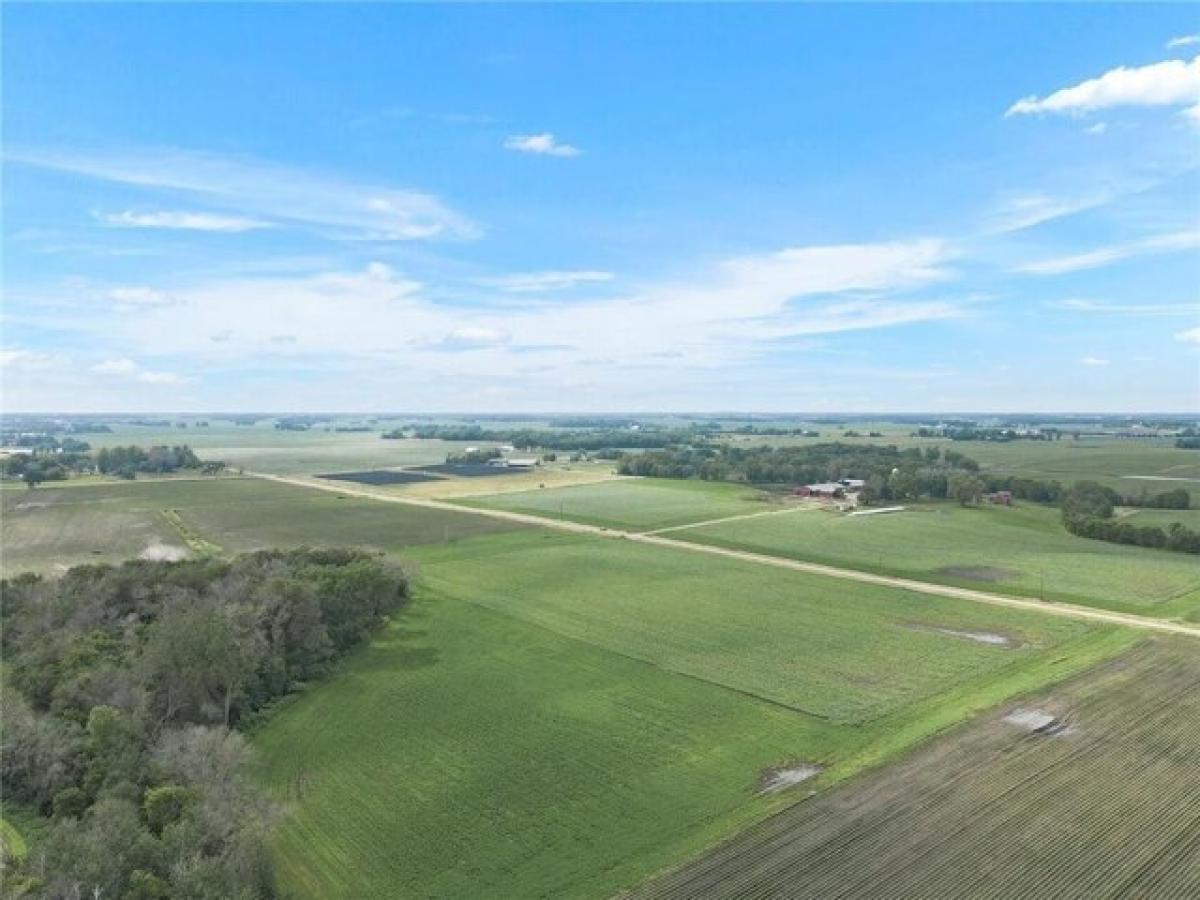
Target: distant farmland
x: 1106, y: 805
x: 1023, y: 550
x: 54, y: 527
x: 632, y: 503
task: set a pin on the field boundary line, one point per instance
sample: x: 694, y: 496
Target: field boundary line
x: 1045, y: 607
x: 737, y: 518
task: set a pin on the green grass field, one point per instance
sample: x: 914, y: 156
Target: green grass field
x: 1008, y: 550
x: 564, y: 716
x: 55, y: 527
x: 638, y: 504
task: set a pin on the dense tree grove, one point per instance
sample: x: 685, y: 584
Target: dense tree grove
x: 123, y: 685
x: 1087, y: 511
x: 890, y: 473
x: 127, y: 460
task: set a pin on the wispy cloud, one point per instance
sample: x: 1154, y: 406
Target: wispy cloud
x: 1126, y: 309
x: 1103, y: 256
x: 1190, y: 336
x: 550, y: 280
x: 25, y: 359
x: 1021, y: 211
x: 138, y: 297
x: 1097, y: 128
x: 126, y: 368
x: 545, y: 144
x: 1094, y: 361
x: 1184, y: 40
x: 184, y: 221
x: 1172, y: 82
x: 268, y: 192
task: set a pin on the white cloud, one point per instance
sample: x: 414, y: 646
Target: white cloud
x: 550, y: 280
x: 544, y: 143
x: 184, y: 221
x: 1186, y: 40
x: 1103, y: 256
x: 130, y: 298
x: 737, y: 310
x: 1098, y: 128
x: 266, y: 192
x: 1190, y: 336
x: 1094, y: 361
x: 1173, y: 82
x: 127, y: 368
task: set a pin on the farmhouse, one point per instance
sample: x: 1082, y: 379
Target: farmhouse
x: 515, y: 462
x: 853, y: 484
x: 1000, y: 498
x: 826, y: 489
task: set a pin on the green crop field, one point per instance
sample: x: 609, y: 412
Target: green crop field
x: 54, y: 527
x: 632, y: 503
x: 784, y: 636
x: 1019, y: 550
x: 1109, y: 806
x: 564, y: 716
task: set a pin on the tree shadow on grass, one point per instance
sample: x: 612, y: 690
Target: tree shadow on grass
x: 399, y: 647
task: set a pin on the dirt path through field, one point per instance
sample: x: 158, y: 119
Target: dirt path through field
x: 737, y: 518
x: 1046, y: 607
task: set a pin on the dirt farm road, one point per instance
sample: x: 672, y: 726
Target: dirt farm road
x: 1045, y: 607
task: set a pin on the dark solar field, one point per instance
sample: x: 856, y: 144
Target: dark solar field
x: 380, y: 477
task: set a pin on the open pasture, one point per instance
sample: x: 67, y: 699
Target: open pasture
x: 635, y: 504
x: 1021, y: 550
x: 55, y: 527
x: 565, y: 716
x: 838, y: 650
x: 1106, y: 803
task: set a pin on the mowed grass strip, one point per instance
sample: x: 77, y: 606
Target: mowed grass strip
x: 1020, y: 550
x: 1108, y: 807
x: 832, y: 648
x: 635, y: 504
x: 55, y: 527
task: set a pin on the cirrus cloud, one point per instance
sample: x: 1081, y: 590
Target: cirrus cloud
x: 182, y: 221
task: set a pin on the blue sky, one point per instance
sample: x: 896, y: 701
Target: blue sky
x: 633, y: 208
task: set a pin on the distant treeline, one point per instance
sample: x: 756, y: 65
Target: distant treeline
x: 1087, y: 511
x: 122, y: 686
x: 1002, y: 435
x: 889, y: 473
x: 529, y: 438
x: 69, y: 455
